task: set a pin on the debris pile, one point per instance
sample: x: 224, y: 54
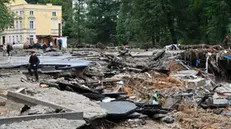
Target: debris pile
x: 128, y: 88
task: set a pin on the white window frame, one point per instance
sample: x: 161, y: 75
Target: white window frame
x: 54, y: 24
x: 16, y: 26
x: 31, y: 25
x: 31, y: 38
x: 20, y: 24
x: 54, y: 14
x: 21, y: 13
x: 17, y: 39
x: 21, y: 39
x: 31, y: 13
x: 10, y: 39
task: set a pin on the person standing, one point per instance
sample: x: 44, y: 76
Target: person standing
x: 9, y: 48
x: 60, y: 44
x: 33, y: 65
x: 4, y: 49
x: 44, y: 47
x: 51, y: 45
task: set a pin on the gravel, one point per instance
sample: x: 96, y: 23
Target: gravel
x: 45, y: 124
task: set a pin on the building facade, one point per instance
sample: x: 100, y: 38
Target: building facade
x: 32, y: 21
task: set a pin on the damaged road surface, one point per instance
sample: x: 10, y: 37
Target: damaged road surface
x: 116, y: 89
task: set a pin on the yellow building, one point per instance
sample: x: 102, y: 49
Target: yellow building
x: 32, y: 21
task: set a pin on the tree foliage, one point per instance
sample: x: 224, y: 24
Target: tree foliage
x: 101, y: 19
x: 6, y: 16
x: 158, y: 22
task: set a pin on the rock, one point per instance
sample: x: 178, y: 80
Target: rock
x: 192, y: 83
x: 168, y: 119
x: 171, y: 102
x: 218, y: 111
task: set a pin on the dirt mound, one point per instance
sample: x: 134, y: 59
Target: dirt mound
x: 175, y: 67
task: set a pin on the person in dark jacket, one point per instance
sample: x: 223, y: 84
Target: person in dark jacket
x: 33, y: 64
x: 9, y: 48
x: 60, y: 44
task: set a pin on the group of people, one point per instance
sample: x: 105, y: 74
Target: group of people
x: 59, y: 44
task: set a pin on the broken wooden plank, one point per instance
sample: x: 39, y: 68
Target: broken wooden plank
x: 69, y: 116
x: 20, y: 90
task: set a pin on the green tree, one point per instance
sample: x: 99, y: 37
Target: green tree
x: 124, y: 31
x: 79, y: 14
x: 150, y: 21
x: 218, y: 13
x: 102, y: 18
x: 6, y: 16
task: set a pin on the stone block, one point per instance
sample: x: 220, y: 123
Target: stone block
x: 192, y: 83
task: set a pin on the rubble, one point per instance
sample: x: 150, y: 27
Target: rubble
x: 132, y: 87
x: 77, y: 102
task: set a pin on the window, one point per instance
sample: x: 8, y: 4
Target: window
x: 13, y: 39
x: 31, y: 24
x: 53, y: 13
x: 21, y: 13
x: 31, y: 13
x: 16, y: 13
x: 10, y: 39
x: 31, y: 38
x: 54, y: 24
x: 20, y: 25
x: 21, y: 38
x: 16, y: 26
x: 17, y: 38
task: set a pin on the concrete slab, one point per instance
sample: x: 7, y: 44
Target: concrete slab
x: 118, y: 108
x: 53, y: 123
x: 188, y: 72
x: 189, y: 78
x: 17, y: 61
x: 192, y: 83
x: 34, y: 101
x: 68, y: 116
x: 73, y: 101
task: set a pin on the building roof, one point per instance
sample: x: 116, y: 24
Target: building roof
x: 17, y: 2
